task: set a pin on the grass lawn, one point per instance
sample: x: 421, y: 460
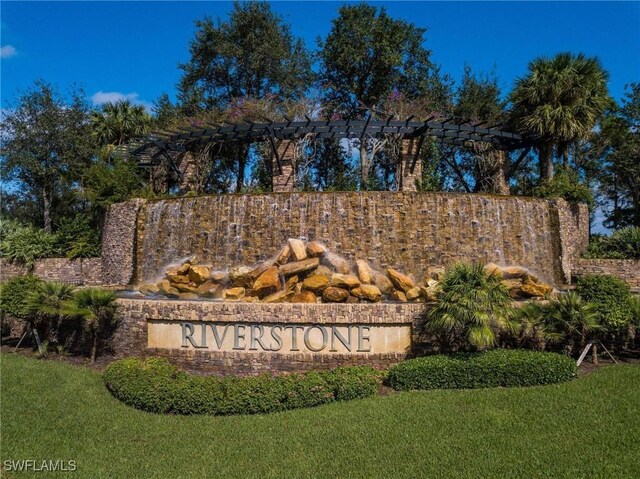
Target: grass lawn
x: 586, y: 428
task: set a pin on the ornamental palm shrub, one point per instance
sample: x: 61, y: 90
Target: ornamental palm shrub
x: 532, y: 330
x: 97, y: 307
x: 47, y: 303
x: 572, y: 321
x: 471, y: 308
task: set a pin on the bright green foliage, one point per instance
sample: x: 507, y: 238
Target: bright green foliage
x: 611, y: 298
x: 559, y: 102
x: 78, y: 238
x: 155, y: 385
x: 471, y: 308
x: 118, y: 123
x: 622, y: 244
x: 97, y: 307
x: 111, y: 182
x: 572, y: 320
x: 24, y: 244
x: 497, y: 368
x: 13, y: 295
x: 566, y: 184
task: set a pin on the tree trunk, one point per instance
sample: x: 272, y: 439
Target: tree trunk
x: 46, y: 201
x: 545, y: 161
x: 491, y: 172
x: 242, y: 164
x: 364, y: 165
x: 94, y: 347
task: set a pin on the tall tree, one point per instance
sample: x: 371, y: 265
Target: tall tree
x: 617, y: 146
x: 558, y: 103
x: 251, y: 55
x: 46, y: 145
x: 367, y: 56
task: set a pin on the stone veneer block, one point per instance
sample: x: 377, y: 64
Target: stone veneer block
x: 119, y: 242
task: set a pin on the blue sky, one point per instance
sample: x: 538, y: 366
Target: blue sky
x: 133, y: 48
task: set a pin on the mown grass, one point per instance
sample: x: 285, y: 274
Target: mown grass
x: 589, y: 427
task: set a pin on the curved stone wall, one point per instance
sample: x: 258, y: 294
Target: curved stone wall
x: 406, y: 231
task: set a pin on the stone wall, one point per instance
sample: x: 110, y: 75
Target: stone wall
x: 119, y: 242
x: 627, y: 270
x: 131, y: 335
x: 81, y: 271
x: 408, y: 231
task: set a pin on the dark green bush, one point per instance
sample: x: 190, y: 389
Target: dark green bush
x: 13, y: 295
x: 24, y: 244
x: 499, y: 367
x: 156, y: 385
x: 622, y: 244
x: 611, y: 296
x: 566, y: 184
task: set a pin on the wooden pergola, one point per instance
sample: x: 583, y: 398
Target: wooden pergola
x: 168, y: 144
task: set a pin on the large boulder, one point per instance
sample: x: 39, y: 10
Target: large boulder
x: 267, y: 283
x: 299, y: 266
x: 177, y: 278
x: 278, y: 297
x: 240, y: 276
x: 316, y: 282
x: 219, y: 276
x: 185, y: 288
x: 234, y: 293
x: 365, y: 273
x: 383, y: 283
x: 368, y: 292
x: 149, y: 289
x: 513, y: 272
x: 337, y: 263
x: 400, y: 280
x: 303, y: 297
x: 298, y: 250
x: 346, y: 281
x: 398, y: 296
x: 284, y: 255
x: 413, y: 294
x: 335, y: 295
x: 536, y: 290
x: 188, y: 296
x: 492, y: 269
x: 166, y: 289
x: 209, y: 289
x: 199, y: 274
x: 315, y: 249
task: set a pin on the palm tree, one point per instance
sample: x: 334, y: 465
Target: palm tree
x: 559, y: 103
x: 471, y: 306
x: 97, y: 307
x: 47, y: 303
x: 119, y: 122
x: 573, y: 319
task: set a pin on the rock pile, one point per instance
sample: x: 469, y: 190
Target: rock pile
x: 309, y: 273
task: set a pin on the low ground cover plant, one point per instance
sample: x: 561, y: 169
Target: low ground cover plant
x: 156, y: 385
x: 495, y: 368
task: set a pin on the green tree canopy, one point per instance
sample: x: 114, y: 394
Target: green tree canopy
x: 119, y: 122
x: 46, y: 145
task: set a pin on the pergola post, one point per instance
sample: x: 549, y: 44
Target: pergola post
x: 282, y: 174
x: 409, y: 164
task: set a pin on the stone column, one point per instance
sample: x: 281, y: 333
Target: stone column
x: 284, y: 181
x: 406, y: 176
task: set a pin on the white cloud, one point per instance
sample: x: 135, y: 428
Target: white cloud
x: 103, y: 97
x: 8, y: 51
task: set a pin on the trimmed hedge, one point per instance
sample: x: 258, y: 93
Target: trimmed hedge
x: 499, y: 367
x: 156, y: 385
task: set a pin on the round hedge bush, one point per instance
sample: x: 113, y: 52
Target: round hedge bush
x: 156, y: 385
x: 612, y: 298
x: 499, y: 367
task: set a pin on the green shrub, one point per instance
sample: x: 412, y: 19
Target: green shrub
x: 77, y: 238
x: 25, y: 244
x: 500, y: 367
x: 14, y: 293
x: 622, y: 244
x: 156, y: 385
x: 611, y: 297
x: 471, y: 307
x: 566, y: 184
